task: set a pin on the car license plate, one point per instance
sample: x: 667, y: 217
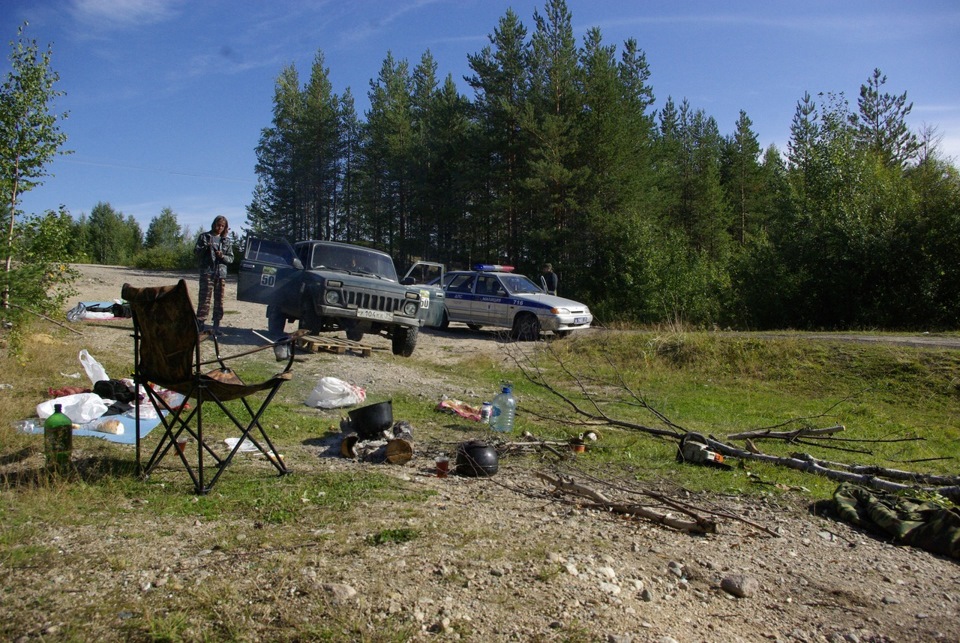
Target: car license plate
x: 379, y: 315
x: 579, y: 320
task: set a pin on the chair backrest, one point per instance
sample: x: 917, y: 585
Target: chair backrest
x: 169, y: 336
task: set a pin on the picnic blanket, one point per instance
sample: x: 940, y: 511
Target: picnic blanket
x: 128, y: 436
x: 99, y: 310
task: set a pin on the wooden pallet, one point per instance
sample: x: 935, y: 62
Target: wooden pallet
x: 315, y: 344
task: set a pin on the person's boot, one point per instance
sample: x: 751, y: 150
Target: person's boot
x: 216, y: 329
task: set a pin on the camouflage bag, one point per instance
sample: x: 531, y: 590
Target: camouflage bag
x: 909, y: 521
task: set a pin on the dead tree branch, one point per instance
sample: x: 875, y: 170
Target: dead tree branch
x: 564, y: 484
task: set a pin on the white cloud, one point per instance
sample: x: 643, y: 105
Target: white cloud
x: 123, y: 13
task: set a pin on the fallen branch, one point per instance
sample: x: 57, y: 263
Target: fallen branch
x: 868, y: 477
x: 563, y: 484
x: 41, y: 315
x: 787, y: 435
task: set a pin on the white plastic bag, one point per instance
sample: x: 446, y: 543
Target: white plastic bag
x: 331, y: 393
x: 80, y: 407
x: 94, y: 370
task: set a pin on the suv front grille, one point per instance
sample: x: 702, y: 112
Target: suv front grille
x: 373, y: 302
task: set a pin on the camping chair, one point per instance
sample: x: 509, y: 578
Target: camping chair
x: 166, y: 354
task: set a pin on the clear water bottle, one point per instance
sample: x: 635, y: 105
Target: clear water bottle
x: 58, y: 439
x: 503, y: 412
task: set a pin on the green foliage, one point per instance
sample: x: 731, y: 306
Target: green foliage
x: 165, y: 258
x: 30, y: 137
x: 164, y: 231
x: 111, y: 239
x: 557, y: 157
x: 41, y: 278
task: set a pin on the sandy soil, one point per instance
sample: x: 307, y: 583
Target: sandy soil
x: 505, y: 561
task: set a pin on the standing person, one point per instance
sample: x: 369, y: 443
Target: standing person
x: 214, y: 251
x: 549, y: 279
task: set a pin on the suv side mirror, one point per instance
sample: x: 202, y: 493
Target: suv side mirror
x: 297, y: 263
x: 408, y: 281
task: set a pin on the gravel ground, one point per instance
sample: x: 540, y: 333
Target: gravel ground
x: 505, y: 561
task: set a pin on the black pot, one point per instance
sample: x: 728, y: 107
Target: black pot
x: 477, y: 459
x: 370, y: 421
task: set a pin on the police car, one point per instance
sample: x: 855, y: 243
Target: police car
x: 493, y: 295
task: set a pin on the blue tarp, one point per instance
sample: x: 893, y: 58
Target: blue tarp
x: 127, y: 437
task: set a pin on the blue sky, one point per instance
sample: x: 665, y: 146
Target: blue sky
x: 167, y: 98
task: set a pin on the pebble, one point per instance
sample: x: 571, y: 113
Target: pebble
x: 339, y: 592
x: 610, y: 588
x: 740, y: 585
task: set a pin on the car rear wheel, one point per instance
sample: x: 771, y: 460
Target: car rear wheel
x: 404, y: 341
x: 526, y: 328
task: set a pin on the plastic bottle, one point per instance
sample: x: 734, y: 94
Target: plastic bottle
x: 504, y: 410
x: 58, y: 439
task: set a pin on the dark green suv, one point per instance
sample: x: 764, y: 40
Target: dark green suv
x: 329, y: 286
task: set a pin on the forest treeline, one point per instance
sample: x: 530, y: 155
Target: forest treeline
x: 647, y: 215
x: 559, y: 156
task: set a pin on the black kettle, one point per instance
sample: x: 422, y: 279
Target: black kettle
x: 477, y: 459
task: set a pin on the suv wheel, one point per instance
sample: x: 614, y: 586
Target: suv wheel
x: 310, y: 320
x: 526, y: 328
x: 404, y: 341
x: 276, y: 321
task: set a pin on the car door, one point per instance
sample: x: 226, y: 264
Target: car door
x: 459, y: 296
x: 487, y: 308
x: 269, y: 272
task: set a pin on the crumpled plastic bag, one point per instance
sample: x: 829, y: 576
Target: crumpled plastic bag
x: 330, y: 393
x: 94, y: 370
x: 80, y: 407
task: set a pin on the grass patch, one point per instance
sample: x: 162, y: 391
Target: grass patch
x: 396, y: 536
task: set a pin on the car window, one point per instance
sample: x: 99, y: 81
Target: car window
x: 269, y: 251
x: 520, y: 285
x: 489, y: 285
x: 461, y: 283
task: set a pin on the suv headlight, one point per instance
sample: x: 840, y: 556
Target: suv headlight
x: 332, y: 297
x: 410, y: 308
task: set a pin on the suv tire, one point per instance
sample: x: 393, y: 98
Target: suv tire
x: 404, y: 341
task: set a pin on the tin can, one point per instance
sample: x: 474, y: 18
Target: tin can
x: 486, y: 412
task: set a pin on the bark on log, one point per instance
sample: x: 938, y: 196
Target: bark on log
x: 809, y: 464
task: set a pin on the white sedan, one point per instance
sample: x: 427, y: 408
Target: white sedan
x: 500, y: 298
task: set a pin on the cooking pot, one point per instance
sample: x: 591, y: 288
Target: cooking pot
x: 476, y: 459
x: 371, y: 420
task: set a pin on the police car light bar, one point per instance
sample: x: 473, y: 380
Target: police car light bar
x: 492, y: 267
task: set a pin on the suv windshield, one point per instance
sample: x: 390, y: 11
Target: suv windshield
x: 354, y: 260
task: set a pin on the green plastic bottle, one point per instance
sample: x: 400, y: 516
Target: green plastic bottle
x: 58, y: 439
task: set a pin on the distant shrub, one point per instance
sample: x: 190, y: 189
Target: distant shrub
x: 161, y: 258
